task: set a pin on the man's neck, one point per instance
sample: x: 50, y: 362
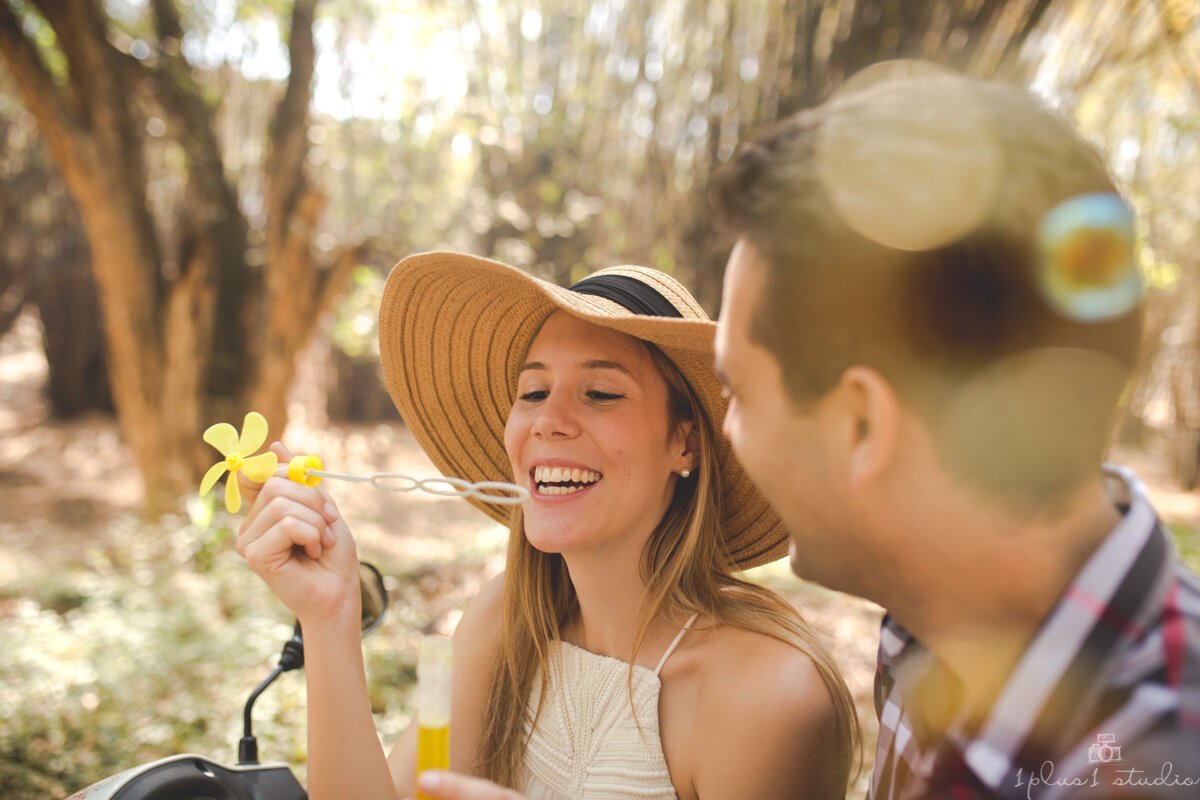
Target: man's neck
x: 978, y: 604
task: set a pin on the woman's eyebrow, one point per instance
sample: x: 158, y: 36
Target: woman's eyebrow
x: 592, y: 364
x: 600, y: 364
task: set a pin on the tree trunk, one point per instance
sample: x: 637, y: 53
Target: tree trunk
x: 73, y: 341
x: 193, y: 334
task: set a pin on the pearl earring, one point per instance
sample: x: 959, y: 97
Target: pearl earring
x: 685, y: 473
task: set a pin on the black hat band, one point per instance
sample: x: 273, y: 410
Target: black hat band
x: 629, y: 293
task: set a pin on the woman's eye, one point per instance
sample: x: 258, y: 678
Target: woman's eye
x: 534, y: 396
x: 604, y: 396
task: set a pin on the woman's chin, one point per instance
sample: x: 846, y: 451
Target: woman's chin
x: 550, y: 535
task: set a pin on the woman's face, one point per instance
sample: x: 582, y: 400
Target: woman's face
x: 589, y: 436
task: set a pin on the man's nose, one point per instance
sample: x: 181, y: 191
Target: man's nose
x: 556, y: 418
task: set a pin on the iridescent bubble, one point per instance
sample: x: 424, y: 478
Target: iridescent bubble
x: 1086, y: 269
x: 909, y: 158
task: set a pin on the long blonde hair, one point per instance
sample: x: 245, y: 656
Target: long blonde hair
x: 685, y: 566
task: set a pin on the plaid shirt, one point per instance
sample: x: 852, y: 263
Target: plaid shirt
x: 1104, y: 702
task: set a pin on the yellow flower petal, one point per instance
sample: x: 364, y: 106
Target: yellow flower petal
x: 211, y: 477
x: 233, y: 495
x: 259, y: 468
x: 223, y: 437
x: 254, y: 433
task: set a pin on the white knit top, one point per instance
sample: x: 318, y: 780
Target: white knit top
x: 588, y: 744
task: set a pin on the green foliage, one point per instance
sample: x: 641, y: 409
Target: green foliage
x: 356, y: 327
x: 1187, y: 539
x: 151, y: 650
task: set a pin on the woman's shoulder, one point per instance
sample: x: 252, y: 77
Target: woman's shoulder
x: 750, y: 669
x: 765, y: 709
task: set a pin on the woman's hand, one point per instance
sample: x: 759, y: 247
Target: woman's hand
x: 296, y: 541
x: 451, y: 786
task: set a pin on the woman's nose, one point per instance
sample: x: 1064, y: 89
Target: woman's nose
x: 555, y: 419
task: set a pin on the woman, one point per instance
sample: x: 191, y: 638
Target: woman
x: 618, y: 655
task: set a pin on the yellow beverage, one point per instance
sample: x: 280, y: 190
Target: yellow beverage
x: 433, y: 751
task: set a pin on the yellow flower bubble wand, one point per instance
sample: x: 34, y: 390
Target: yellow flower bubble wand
x: 239, y: 450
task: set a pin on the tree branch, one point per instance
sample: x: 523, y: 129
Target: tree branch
x: 288, y: 145
x: 166, y: 20
x: 1173, y: 35
x: 1013, y: 47
x: 45, y: 100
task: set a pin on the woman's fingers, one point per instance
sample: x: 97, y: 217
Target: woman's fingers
x: 280, y: 487
x: 274, y: 548
x: 452, y: 786
x: 251, y: 489
x: 285, y: 515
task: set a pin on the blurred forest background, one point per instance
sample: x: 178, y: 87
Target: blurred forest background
x: 199, y: 202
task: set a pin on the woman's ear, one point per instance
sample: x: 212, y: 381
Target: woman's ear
x: 687, y: 440
x: 874, y: 424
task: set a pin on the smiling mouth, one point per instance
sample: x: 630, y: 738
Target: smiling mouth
x: 562, y: 480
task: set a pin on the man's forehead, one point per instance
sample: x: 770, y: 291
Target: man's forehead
x: 744, y: 277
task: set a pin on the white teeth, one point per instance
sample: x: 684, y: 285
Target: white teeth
x: 557, y: 490
x: 545, y: 475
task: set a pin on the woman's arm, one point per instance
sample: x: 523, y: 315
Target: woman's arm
x: 296, y: 541
x: 476, y: 642
x: 345, y: 756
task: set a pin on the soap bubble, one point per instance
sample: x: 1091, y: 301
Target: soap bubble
x: 1086, y: 268
x: 909, y: 164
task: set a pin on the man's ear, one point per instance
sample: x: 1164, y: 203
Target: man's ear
x: 873, y: 416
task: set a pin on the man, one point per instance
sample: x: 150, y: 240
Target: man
x: 924, y: 367
x: 927, y: 327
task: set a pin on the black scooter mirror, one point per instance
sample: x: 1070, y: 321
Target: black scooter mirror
x: 374, y: 597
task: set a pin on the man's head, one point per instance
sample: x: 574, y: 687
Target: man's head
x: 891, y: 236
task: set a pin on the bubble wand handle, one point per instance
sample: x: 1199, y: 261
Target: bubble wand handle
x: 434, y: 668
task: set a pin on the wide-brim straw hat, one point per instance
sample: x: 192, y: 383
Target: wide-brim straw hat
x: 454, y: 330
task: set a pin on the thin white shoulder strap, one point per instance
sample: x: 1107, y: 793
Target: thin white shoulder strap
x: 675, y: 642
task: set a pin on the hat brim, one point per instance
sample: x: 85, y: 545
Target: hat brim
x: 453, y: 329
